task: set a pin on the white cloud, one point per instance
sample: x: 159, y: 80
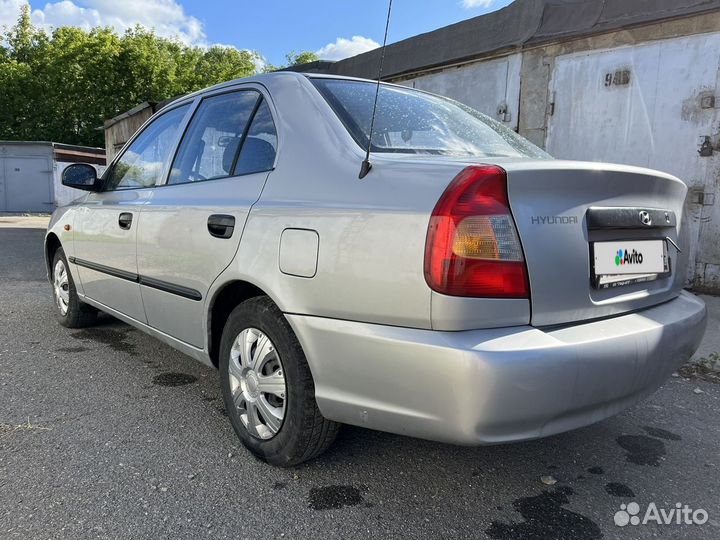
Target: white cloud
x: 167, y: 17
x: 344, y: 48
x: 471, y: 4
x: 10, y: 11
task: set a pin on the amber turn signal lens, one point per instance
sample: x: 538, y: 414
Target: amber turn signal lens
x: 475, y: 239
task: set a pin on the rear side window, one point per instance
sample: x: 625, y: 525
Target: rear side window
x: 258, y: 149
x: 409, y: 121
x: 142, y: 164
x: 210, y: 146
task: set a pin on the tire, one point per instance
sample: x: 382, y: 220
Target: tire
x: 251, y: 365
x: 70, y: 311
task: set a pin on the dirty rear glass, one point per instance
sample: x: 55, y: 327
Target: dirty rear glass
x: 409, y: 121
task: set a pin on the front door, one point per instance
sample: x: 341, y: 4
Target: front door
x: 190, y: 229
x: 106, y: 224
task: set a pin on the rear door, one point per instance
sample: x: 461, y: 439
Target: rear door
x: 107, y: 222
x: 190, y: 229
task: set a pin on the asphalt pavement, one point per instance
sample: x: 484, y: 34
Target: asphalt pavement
x: 108, y: 433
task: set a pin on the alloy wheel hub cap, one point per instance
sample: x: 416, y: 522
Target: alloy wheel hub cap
x: 257, y: 383
x: 61, y: 286
x: 250, y: 383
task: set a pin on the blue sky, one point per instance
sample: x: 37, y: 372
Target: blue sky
x: 274, y: 27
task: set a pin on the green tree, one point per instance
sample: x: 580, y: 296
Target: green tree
x: 304, y: 57
x: 292, y: 59
x: 24, y: 42
x: 62, y: 86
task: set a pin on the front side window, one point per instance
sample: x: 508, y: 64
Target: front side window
x: 142, y: 164
x: 210, y: 146
x: 409, y: 121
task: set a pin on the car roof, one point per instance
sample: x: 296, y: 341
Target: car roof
x: 261, y: 79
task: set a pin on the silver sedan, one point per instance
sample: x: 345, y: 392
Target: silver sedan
x: 469, y: 288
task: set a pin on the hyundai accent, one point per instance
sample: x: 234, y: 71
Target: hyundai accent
x: 468, y: 288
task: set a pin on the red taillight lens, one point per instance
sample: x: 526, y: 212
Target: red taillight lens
x: 472, y: 245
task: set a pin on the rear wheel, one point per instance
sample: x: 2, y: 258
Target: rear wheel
x: 268, y: 388
x: 70, y: 311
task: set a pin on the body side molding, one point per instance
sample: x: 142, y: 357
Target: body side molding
x: 159, y: 284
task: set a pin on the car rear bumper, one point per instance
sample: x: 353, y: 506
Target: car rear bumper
x: 493, y: 386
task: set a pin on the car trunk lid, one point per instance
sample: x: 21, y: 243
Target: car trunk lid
x: 564, y: 210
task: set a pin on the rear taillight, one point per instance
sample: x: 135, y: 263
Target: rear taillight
x: 472, y: 245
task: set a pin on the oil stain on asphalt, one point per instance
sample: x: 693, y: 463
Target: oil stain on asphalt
x: 642, y: 450
x: 115, y: 339
x: 173, y: 379
x: 616, y: 489
x: 334, y: 497
x: 545, y: 517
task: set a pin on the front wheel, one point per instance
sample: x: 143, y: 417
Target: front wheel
x: 268, y: 388
x: 70, y: 311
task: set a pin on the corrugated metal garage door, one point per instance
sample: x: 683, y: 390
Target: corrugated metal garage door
x: 25, y: 184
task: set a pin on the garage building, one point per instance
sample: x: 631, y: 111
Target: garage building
x: 30, y: 174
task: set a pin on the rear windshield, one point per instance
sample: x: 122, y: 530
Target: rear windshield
x: 410, y: 121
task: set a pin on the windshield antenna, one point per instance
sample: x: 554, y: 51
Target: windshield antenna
x: 366, y: 165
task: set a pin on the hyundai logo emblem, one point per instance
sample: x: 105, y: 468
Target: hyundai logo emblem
x: 645, y: 218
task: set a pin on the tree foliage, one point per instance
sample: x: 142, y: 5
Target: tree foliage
x: 62, y: 86
x: 293, y: 59
x: 304, y: 57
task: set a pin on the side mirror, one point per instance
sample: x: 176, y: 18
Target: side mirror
x: 80, y: 176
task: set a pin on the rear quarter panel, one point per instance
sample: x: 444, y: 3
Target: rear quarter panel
x: 371, y: 239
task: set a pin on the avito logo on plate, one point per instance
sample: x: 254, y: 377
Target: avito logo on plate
x: 627, y: 257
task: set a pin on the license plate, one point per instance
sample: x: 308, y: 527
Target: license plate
x: 634, y: 258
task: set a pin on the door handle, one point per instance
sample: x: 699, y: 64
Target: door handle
x: 125, y: 220
x: 221, y: 225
